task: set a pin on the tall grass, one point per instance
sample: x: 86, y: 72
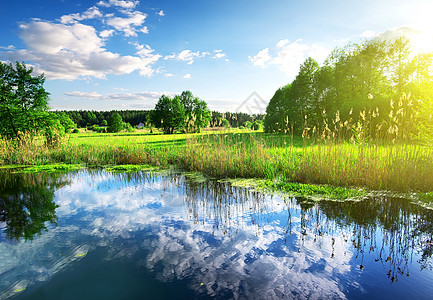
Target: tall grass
x: 339, y: 153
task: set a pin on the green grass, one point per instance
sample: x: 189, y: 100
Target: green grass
x: 48, y: 168
x: 295, y: 189
x: 281, y: 160
x: 129, y: 168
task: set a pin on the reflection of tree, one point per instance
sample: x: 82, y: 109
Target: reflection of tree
x: 389, y: 229
x: 26, y: 203
x: 224, y: 205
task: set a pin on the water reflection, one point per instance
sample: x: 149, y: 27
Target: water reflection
x: 26, y: 203
x: 389, y: 230
x: 225, y: 207
x: 226, y: 242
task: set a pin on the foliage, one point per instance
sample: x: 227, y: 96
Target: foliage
x: 134, y: 117
x: 115, y: 123
x: 66, y: 122
x: 224, y: 123
x: 197, y: 115
x: 23, y: 101
x: 358, y: 79
x: 128, y: 127
x: 184, y: 112
x: 256, y: 125
x: 169, y: 114
x: 235, y: 119
x: 85, y: 118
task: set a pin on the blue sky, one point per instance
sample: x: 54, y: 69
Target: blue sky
x: 115, y: 54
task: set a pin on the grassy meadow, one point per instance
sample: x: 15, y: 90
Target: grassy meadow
x: 279, y: 159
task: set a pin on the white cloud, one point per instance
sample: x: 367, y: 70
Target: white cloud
x: 140, y: 96
x: 91, y: 13
x: 128, y: 25
x: 119, y: 3
x: 145, y: 30
x: 161, y: 13
x: 421, y: 40
x: 397, y: 33
x: 261, y: 58
x: 10, y: 47
x: 218, y: 54
x: 168, y: 75
x: 187, y: 55
x: 87, y: 95
x: 368, y: 34
x: 187, y: 76
x: 72, y: 51
x: 289, y: 56
x: 106, y: 33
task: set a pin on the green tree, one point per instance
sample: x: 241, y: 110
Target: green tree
x: 197, y: 114
x: 256, y: 125
x: 23, y: 101
x: 66, y: 122
x: 225, y: 123
x: 115, y: 123
x: 169, y: 114
x: 358, y: 80
x: 277, y: 119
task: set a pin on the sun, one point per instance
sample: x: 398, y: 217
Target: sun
x: 422, y: 20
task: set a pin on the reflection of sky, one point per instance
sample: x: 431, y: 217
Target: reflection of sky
x: 257, y: 257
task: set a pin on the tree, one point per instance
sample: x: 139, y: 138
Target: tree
x: 23, y: 101
x: 356, y: 80
x: 115, y: 123
x: 256, y: 125
x: 169, y: 114
x: 277, y: 119
x: 197, y: 114
x: 66, y: 122
x: 225, y: 123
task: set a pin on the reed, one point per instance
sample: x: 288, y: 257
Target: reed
x: 342, y: 153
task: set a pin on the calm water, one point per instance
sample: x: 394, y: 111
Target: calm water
x: 97, y: 235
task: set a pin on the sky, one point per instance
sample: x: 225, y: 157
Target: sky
x: 121, y: 54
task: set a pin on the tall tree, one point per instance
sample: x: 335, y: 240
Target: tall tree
x: 115, y: 123
x: 169, y: 114
x: 23, y: 101
x: 197, y: 114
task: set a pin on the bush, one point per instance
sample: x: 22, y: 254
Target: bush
x: 128, y: 127
x: 256, y: 125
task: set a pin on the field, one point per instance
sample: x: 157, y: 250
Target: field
x: 279, y: 159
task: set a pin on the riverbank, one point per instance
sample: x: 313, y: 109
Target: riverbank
x: 278, y: 159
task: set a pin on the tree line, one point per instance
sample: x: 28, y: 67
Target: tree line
x: 88, y: 118
x: 380, y: 80
x: 24, y: 112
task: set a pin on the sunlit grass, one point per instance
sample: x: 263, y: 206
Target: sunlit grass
x: 279, y: 158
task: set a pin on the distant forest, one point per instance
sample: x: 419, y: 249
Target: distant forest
x: 87, y: 118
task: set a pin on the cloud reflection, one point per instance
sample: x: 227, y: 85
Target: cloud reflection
x: 226, y: 242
